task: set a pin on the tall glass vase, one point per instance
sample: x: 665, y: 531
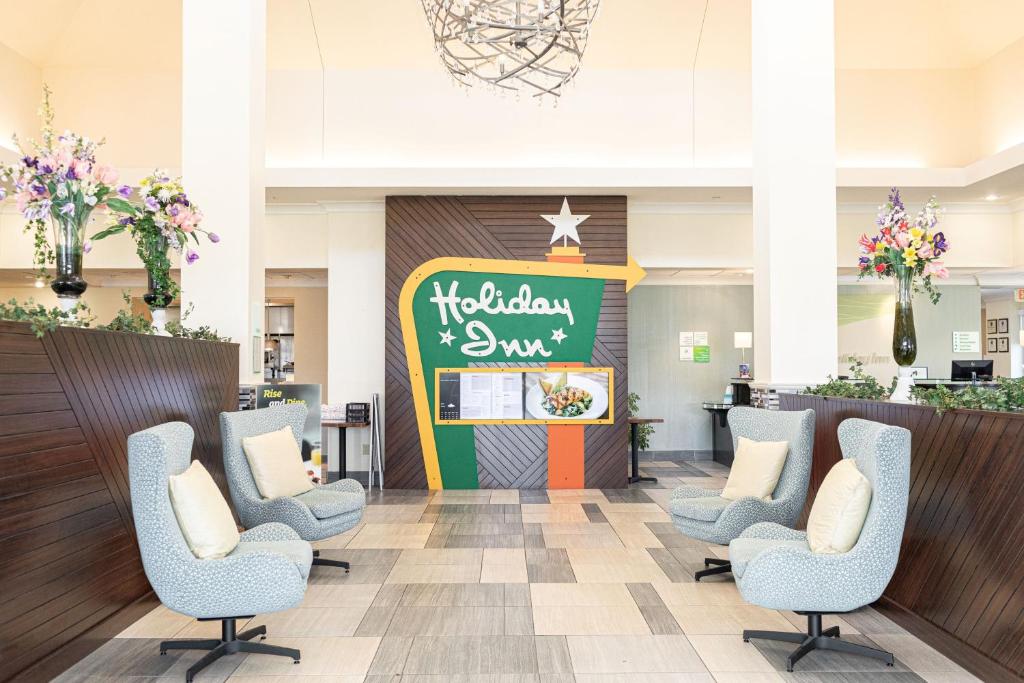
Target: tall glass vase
x: 158, y: 298
x: 67, y: 245
x: 904, y: 337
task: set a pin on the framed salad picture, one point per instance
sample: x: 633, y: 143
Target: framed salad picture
x: 990, y: 326
x: 1004, y: 344
x: 1003, y: 326
x: 992, y: 348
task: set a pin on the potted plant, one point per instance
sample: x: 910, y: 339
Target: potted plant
x: 163, y: 219
x: 905, y: 249
x: 59, y: 180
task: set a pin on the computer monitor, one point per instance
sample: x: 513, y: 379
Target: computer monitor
x: 967, y: 370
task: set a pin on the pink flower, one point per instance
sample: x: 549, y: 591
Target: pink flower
x: 864, y: 241
x: 22, y: 199
x: 902, y: 240
x: 925, y: 251
x: 937, y: 269
x: 62, y: 158
x: 104, y: 174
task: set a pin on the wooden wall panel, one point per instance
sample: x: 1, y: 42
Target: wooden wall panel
x: 960, y: 580
x: 69, y: 566
x: 423, y: 228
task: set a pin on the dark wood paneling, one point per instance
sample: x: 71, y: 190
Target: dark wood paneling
x: 69, y: 565
x: 960, y: 580
x: 424, y: 228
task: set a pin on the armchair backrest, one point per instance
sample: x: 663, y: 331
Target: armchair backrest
x: 236, y: 426
x: 153, y: 456
x: 794, y: 426
x: 882, y: 453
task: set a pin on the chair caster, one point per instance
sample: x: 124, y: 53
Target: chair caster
x: 295, y: 661
x: 163, y: 652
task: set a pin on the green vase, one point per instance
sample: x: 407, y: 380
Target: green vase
x: 904, y: 338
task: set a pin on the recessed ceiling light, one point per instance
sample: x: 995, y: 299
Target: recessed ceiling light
x: 991, y: 197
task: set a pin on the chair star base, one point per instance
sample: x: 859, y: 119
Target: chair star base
x: 718, y: 566
x: 324, y: 562
x: 230, y: 643
x: 817, y: 639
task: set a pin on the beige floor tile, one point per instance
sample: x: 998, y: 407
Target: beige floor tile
x: 510, y: 497
x: 633, y: 654
x: 747, y: 677
x: 827, y: 621
x: 550, y: 512
x: 159, y: 622
x: 320, y: 657
x: 720, y: 593
x: 577, y: 528
x: 636, y: 535
x: 212, y: 629
x: 576, y: 496
x: 313, y: 621
x: 504, y: 565
x: 588, y: 620
x: 434, y: 573
x: 626, y: 565
x: 441, y: 556
x: 342, y: 595
x: 580, y: 594
x: 392, y: 536
x: 478, y: 497
x: 339, y: 541
x: 645, y: 678
x: 658, y: 515
x: 605, y: 539
x: 296, y: 679
x: 948, y: 677
x: 916, y: 654
x: 393, y: 514
x: 728, y: 619
x: 728, y: 653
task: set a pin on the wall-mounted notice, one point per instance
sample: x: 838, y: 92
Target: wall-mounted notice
x: 700, y: 339
x: 686, y: 338
x: 523, y: 396
x: 686, y: 353
x: 1018, y: 295
x: 702, y: 354
x: 966, y: 342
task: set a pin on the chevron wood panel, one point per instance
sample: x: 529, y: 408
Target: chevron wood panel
x: 69, y: 564
x: 959, y: 584
x: 423, y: 228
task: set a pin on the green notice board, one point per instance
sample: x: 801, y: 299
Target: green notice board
x: 701, y: 354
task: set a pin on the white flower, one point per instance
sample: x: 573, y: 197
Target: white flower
x: 62, y: 191
x: 164, y: 194
x: 90, y: 199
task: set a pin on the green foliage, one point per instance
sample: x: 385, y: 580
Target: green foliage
x: 204, y: 332
x: 643, y: 432
x: 44, y: 319
x: 867, y: 387
x: 126, y: 321
x: 1006, y: 396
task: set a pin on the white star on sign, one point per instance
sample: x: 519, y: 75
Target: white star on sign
x: 447, y: 337
x: 565, y: 224
x: 558, y: 335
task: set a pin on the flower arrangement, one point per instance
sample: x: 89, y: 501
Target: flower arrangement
x: 164, y: 218
x: 59, y: 178
x: 905, y: 242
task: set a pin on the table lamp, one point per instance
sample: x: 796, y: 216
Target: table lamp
x: 743, y: 341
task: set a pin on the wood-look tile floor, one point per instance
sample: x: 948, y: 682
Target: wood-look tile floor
x: 510, y: 586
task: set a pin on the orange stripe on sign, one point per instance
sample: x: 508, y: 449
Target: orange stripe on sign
x: 565, y: 450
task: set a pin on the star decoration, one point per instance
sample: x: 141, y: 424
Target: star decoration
x: 565, y: 224
x: 558, y: 335
x: 447, y: 337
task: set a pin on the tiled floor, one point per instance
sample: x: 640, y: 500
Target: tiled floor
x: 510, y: 586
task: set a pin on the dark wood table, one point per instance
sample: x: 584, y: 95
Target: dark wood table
x: 342, y: 455
x: 635, y: 422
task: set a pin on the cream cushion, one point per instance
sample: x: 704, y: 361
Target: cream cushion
x: 756, y: 469
x: 276, y: 464
x: 839, y: 509
x: 203, y: 514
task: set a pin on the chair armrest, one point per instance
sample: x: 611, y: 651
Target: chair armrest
x: 270, y: 531
x: 695, y: 492
x: 286, y: 510
x: 345, y: 486
x: 771, y: 530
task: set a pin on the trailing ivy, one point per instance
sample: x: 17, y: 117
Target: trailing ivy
x: 1006, y: 396
x: 126, y: 321
x: 644, y: 432
x: 43, y: 319
x: 204, y: 332
x: 867, y: 387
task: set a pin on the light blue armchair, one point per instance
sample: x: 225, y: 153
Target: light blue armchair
x: 325, y: 511
x: 775, y: 568
x: 266, y: 572
x: 704, y: 514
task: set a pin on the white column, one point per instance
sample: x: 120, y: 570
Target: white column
x: 222, y: 159
x: 794, y: 175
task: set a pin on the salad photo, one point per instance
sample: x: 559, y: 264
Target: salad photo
x: 567, y: 395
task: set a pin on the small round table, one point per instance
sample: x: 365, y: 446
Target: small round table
x: 635, y: 422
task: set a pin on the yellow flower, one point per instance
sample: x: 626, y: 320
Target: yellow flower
x: 916, y: 233
x: 910, y: 256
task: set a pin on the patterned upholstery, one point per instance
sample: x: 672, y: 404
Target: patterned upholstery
x: 796, y: 427
x: 250, y: 580
x: 787, y: 575
x: 326, y: 511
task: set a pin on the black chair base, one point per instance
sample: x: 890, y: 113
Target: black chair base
x: 324, y: 562
x: 817, y: 639
x: 230, y: 643
x: 720, y: 567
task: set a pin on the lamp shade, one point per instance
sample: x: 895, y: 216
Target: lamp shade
x: 742, y: 340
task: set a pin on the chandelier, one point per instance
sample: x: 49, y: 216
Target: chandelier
x: 533, y: 46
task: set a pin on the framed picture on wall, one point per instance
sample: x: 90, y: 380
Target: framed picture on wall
x: 990, y: 326
x: 992, y: 348
x: 1003, y: 326
x: 1004, y: 344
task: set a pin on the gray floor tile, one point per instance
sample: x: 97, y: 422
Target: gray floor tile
x: 518, y: 621
x: 517, y: 595
x: 454, y: 595
x: 376, y: 621
x: 391, y: 656
x: 660, y: 621
x: 676, y: 571
x: 488, y: 541
x: 472, y: 655
x: 447, y: 621
x: 549, y: 565
x: 553, y: 655
x: 851, y: 677
x: 594, y: 514
x: 824, y: 661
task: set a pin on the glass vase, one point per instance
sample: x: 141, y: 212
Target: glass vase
x: 158, y: 297
x: 67, y: 246
x: 904, y: 337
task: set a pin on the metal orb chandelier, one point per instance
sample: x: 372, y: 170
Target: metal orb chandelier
x: 530, y: 46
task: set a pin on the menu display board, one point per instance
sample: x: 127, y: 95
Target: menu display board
x: 523, y: 396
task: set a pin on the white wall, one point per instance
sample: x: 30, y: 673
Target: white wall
x: 22, y: 87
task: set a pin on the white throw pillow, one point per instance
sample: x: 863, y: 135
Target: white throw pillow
x: 203, y: 514
x: 276, y: 464
x: 756, y: 469
x: 839, y: 509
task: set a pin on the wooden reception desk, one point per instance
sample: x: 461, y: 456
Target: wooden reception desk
x: 70, y: 572
x: 959, y: 584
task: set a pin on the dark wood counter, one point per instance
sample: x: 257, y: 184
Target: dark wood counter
x: 959, y: 584
x: 70, y: 571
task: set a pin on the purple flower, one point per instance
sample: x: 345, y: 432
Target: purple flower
x: 3, y: 194
x: 67, y: 209
x: 191, y: 257
x: 125, y: 191
x: 30, y: 162
x: 939, y: 243
x: 38, y: 189
x: 86, y: 246
x: 173, y: 210
x: 71, y: 175
x: 127, y: 220
x: 151, y: 203
x: 214, y: 237
x: 894, y: 199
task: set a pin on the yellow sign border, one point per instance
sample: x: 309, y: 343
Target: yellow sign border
x: 526, y: 421
x: 632, y: 273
